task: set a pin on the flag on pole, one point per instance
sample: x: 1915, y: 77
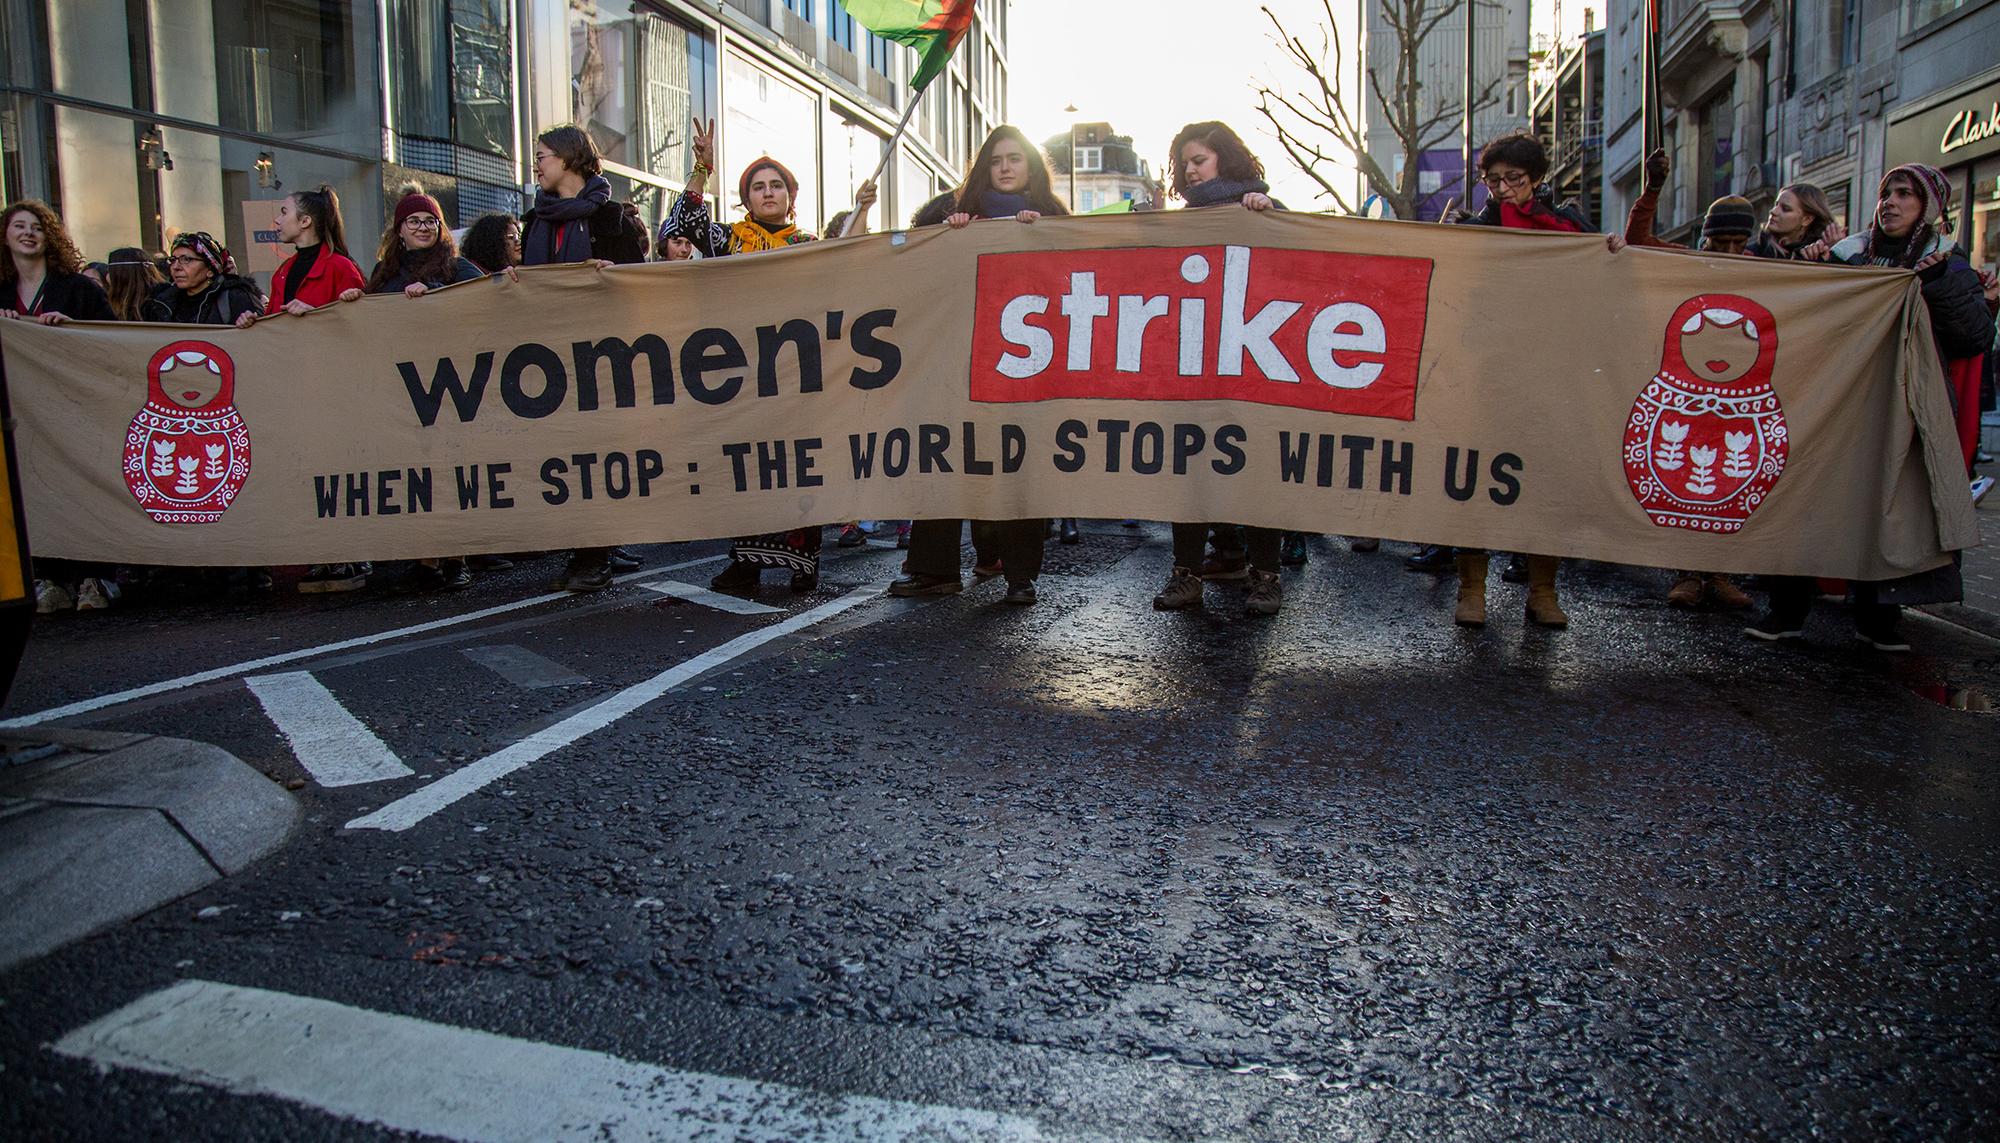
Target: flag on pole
x: 932, y: 27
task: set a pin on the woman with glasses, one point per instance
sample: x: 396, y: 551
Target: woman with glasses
x: 418, y: 254
x: 1512, y: 168
x: 206, y: 287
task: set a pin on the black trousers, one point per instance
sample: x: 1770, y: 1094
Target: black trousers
x: 1017, y: 544
x: 1792, y: 597
x: 1191, y: 540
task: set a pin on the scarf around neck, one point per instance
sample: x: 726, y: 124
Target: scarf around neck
x: 1217, y: 191
x: 753, y: 237
x: 1001, y: 204
x: 559, y: 231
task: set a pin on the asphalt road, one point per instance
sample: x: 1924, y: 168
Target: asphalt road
x: 866, y: 867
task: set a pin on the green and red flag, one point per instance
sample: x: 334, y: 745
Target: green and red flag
x: 932, y: 27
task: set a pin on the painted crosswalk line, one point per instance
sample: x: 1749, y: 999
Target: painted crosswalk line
x: 461, y: 1083
x: 333, y: 745
x: 735, y: 605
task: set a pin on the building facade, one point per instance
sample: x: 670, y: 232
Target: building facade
x: 1501, y: 62
x: 1106, y: 171
x: 141, y: 119
x: 1828, y: 92
x: 1567, y: 109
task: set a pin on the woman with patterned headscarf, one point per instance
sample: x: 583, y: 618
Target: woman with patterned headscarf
x: 206, y: 288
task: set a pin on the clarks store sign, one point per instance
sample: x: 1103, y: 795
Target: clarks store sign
x: 1951, y: 133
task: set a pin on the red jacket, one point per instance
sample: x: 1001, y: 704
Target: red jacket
x: 331, y: 275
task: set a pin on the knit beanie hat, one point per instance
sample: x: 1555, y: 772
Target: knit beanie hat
x: 763, y: 163
x: 1729, y: 216
x: 205, y: 247
x: 418, y: 202
x: 1931, y: 184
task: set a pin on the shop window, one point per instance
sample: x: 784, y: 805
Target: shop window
x: 766, y: 115
x: 1983, y: 209
x: 1917, y: 13
x: 299, y: 69
x: 638, y: 80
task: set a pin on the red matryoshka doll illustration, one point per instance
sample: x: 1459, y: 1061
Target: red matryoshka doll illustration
x: 187, y: 453
x: 1706, y: 440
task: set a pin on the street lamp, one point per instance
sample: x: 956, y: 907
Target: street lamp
x: 1071, y: 111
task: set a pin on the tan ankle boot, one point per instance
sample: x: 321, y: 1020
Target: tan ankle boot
x: 1471, y: 610
x: 1542, y: 605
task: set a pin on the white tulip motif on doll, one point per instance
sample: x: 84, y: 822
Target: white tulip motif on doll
x: 1706, y: 440
x: 187, y: 452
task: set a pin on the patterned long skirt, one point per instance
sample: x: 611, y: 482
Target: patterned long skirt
x: 797, y: 550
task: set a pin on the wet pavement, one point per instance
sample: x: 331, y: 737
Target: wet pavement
x: 1352, y: 872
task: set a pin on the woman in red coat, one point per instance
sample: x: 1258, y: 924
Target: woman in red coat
x: 321, y: 272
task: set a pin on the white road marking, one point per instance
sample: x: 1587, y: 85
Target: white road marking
x: 85, y: 706
x: 461, y: 1083
x: 735, y: 605
x: 414, y: 807
x: 332, y: 744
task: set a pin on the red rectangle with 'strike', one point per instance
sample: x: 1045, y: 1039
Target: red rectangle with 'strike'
x: 1339, y: 333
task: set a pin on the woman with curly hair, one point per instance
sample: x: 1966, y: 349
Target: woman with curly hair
x: 417, y: 254
x: 493, y: 242
x: 41, y: 278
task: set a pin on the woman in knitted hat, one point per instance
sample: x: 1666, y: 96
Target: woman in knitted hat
x: 1911, y: 230
x: 206, y: 287
x: 418, y: 254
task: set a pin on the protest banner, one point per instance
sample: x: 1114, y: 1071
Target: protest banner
x: 1477, y: 387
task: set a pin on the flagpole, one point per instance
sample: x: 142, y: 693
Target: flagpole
x: 888, y: 152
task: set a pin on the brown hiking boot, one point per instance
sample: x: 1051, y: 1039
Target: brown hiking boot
x: 1183, y: 590
x: 1471, y: 611
x: 1686, y: 591
x: 1542, y: 606
x: 1265, y: 595
x: 1725, y: 593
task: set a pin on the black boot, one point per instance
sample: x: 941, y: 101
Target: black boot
x: 738, y: 576
x: 1432, y: 558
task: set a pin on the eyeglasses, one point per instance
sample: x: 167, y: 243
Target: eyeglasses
x: 183, y: 260
x: 421, y: 222
x: 1513, y: 180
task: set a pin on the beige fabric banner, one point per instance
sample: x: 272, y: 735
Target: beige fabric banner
x: 1515, y: 391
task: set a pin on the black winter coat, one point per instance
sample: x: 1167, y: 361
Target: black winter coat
x: 461, y: 270
x: 226, y: 298
x: 1489, y: 215
x: 71, y: 295
x: 615, y: 236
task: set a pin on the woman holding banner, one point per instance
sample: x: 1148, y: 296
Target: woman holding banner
x: 1911, y: 230
x: 41, y: 277
x: 768, y: 192
x: 1513, y: 167
x: 1007, y: 179
x: 1213, y: 167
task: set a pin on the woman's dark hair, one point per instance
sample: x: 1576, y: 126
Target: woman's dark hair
x: 574, y: 146
x: 323, y: 206
x: 486, y: 242
x: 1233, y: 159
x: 936, y: 210
x: 979, y: 176
x: 1819, y: 212
x: 129, y: 279
x: 393, y: 260
x: 1518, y: 149
x: 57, y: 249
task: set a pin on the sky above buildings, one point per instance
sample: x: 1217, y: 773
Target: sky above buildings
x: 1149, y: 66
